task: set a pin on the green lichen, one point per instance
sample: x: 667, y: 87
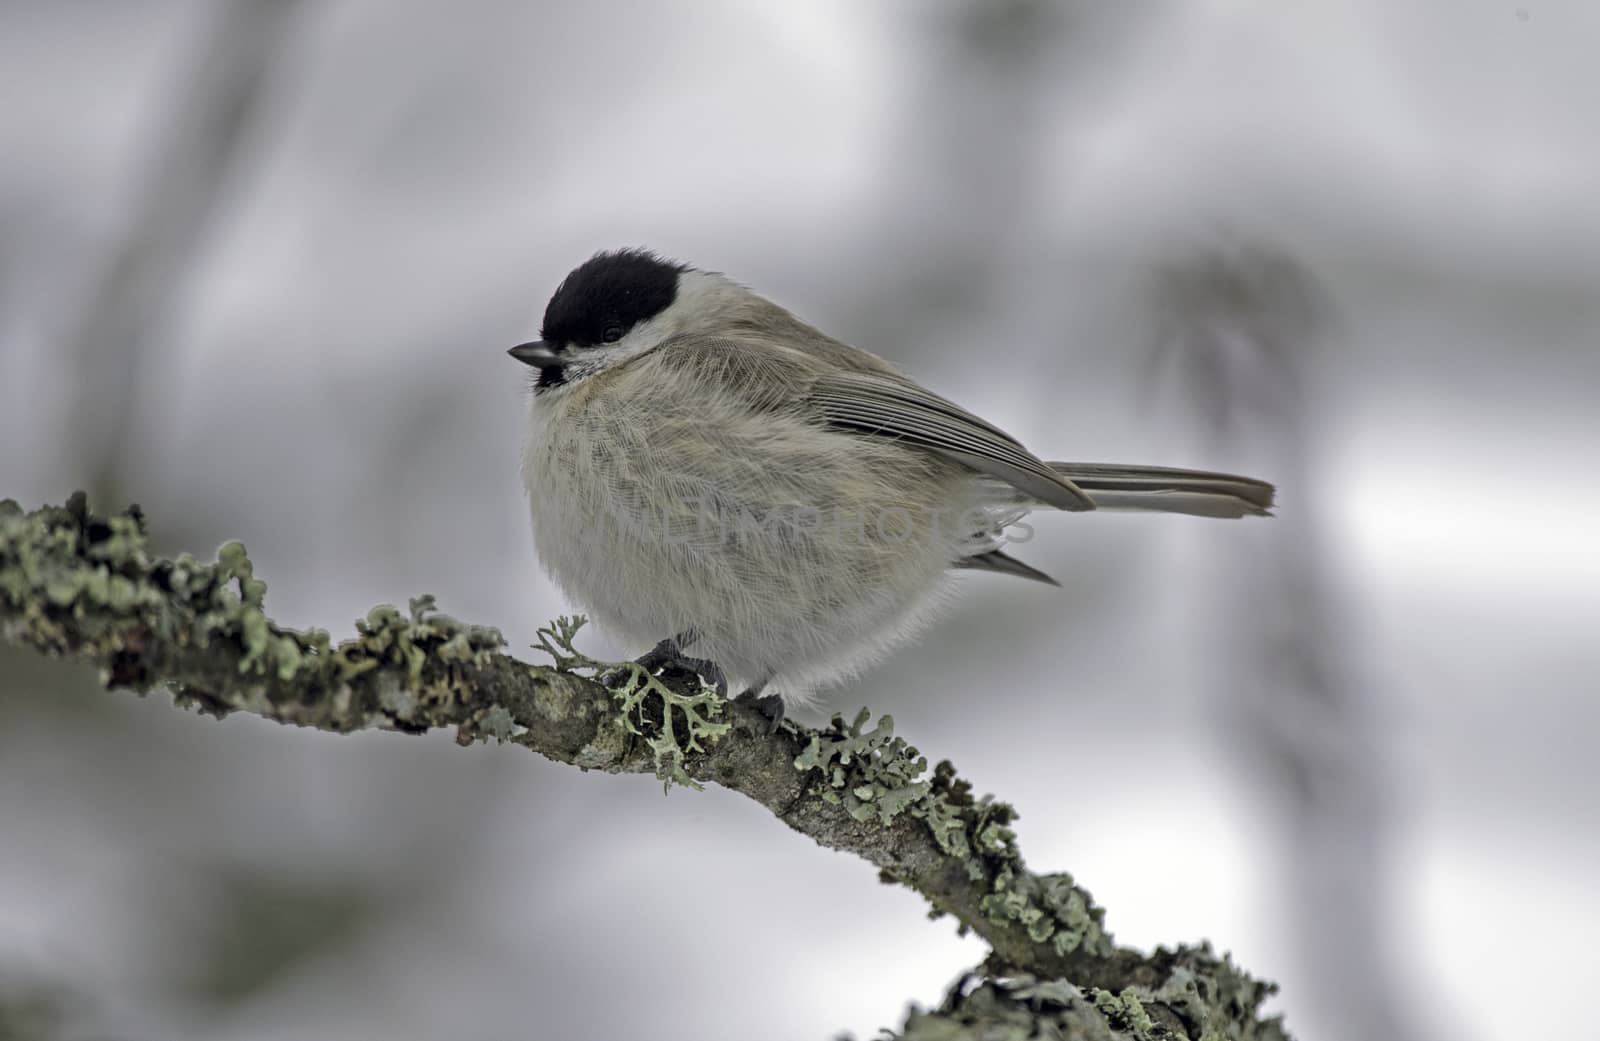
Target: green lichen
x: 1023, y: 1008
x: 1218, y: 997
x: 1126, y: 1012
x: 34, y: 545
x: 1202, y: 998
x: 499, y: 724
x: 410, y: 640
x: 673, y: 724
x: 75, y: 583
x: 1050, y: 907
x: 870, y: 772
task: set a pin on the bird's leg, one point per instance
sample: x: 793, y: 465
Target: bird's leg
x: 662, y: 654
x: 668, y: 656
x: 770, y: 706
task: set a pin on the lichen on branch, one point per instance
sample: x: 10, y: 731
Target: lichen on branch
x: 85, y: 588
x: 674, y: 724
x: 1199, y: 999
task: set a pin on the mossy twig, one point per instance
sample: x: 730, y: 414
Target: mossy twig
x: 82, y: 587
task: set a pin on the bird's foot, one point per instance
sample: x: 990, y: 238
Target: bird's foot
x: 768, y: 706
x: 668, y: 657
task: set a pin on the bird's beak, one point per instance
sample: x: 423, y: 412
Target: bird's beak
x: 538, y: 354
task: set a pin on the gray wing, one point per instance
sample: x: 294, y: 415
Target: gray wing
x: 869, y: 403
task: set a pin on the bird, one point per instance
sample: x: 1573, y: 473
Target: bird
x: 764, y: 505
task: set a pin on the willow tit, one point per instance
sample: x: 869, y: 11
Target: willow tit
x: 710, y: 474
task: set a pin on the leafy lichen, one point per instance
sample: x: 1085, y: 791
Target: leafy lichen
x: 868, y: 772
x: 61, y: 565
x: 1216, y: 996
x: 1127, y: 1013
x: 409, y: 641
x: 1197, y: 1000
x: 672, y: 723
x: 871, y: 772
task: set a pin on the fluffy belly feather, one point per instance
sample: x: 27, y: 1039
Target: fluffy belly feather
x: 764, y: 538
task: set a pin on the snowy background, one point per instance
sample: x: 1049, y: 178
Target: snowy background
x: 259, y: 265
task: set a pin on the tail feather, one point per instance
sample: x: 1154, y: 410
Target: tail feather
x: 1165, y: 489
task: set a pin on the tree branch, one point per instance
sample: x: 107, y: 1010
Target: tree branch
x: 82, y: 587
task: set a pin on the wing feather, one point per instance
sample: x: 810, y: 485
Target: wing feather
x: 875, y: 401
x: 888, y: 407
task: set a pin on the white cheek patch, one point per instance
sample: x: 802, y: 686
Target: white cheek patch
x: 580, y: 363
x: 583, y: 363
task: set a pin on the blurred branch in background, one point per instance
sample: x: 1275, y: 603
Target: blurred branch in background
x: 188, y: 166
x: 1241, y: 324
x: 964, y: 182
x: 35, y: 1011
x: 192, y: 160
x: 82, y: 587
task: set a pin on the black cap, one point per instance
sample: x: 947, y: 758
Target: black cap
x: 609, y: 293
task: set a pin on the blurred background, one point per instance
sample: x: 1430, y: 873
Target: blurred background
x: 259, y: 265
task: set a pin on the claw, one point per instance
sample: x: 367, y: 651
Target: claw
x: 668, y: 656
x: 661, y: 655
x: 769, y: 706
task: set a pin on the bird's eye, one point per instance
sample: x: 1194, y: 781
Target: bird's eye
x: 611, y: 333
